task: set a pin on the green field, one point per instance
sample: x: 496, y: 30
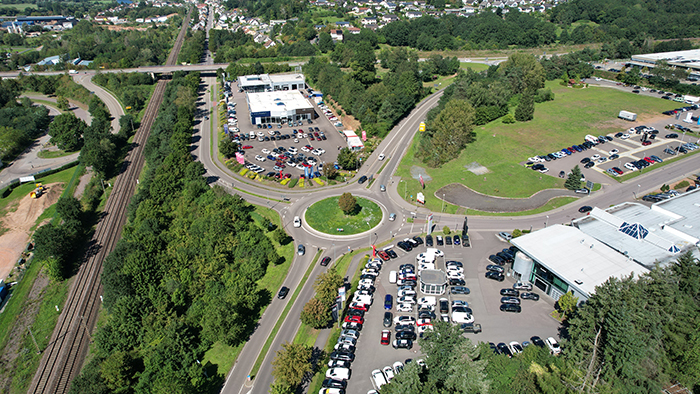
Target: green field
x: 502, y: 147
x: 21, y: 7
x: 327, y: 217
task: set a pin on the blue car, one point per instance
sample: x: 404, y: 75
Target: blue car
x: 388, y: 302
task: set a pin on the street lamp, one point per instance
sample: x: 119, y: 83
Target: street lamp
x: 546, y: 221
x: 635, y: 193
x: 443, y: 203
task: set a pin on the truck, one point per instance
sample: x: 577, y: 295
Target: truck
x: 691, y: 99
x: 626, y: 115
x: 73, y: 71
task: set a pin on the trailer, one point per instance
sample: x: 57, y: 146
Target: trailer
x: 626, y: 115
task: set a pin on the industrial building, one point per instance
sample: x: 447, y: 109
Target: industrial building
x: 623, y: 240
x: 271, y: 83
x: 278, y: 107
x: 689, y: 60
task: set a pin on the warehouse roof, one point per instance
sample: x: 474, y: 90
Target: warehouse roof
x: 581, y: 260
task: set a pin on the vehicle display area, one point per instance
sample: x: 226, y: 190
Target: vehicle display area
x: 480, y: 304
x: 282, y: 147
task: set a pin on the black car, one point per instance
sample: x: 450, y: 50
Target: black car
x: 504, y: 349
x: 392, y: 254
x: 589, y: 164
x: 510, y: 308
x: 585, y: 160
x: 537, y: 341
x: 325, y: 261
x: 444, y: 306
x: 448, y: 240
x: 530, y: 296
x: 362, y: 179
x: 495, y: 268
x: 345, y: 356
x: 494, y: 348
x: 429, y: 240
x: 355, y: 312
x: 404, y: 327
x: 505, y: 256
x: 585, y: 209
x: 426, y: 315
x: 418, y: 239
x: 388, y: 319
x: 459, y: 290
x: 510, y: 292
x: 457, y: 282
x: 496, y: 259
x: 495, y: 276
x: 334, y: 384
x: 439, y: 240
x: 283, y: 292
x: 405, y: 246
x: 406, y: 335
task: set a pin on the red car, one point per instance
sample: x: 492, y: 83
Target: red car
x: 359, y: 307
x: 383, y: 255
x: 649, y: 160
x: 386, y: 337
x: 247, y: 147
x: 287, y: 176
x: 645, y: 143
x: 354, y: 319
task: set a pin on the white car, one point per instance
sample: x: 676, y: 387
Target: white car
x: 462, y: 317
x: 362, y: 299
x: 406, y: 292
x: 404, y: 308
x: 321, y: 151
x: 424, y: 328
x: 595, y: 157
x: 454, y: 268
x: 515, y: 347
x: 291, y: 150
x: 271, y: 132
x: 261, y: 134
x: 429, y: 300
x: 398, y: 367
x: 338, y: 373
x: 305, y: 149
x: 614, y: 151
x: 330, y: 390
x: 389, y: 373
x: 404, y: 320
x: 297, y: 221
x: 630, y: 166
x: 460, y: 303
x: 553, y: 346
x: 381, y: 157
x: 406, y: 300
x: 534, y: 159
x: 265, y: 151
x: 378, y: 378
x: 624, y: 136
x: 455, y: 275
x: 259, y: 158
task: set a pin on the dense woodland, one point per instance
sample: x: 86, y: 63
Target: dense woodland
x: 193, y: 47
x: 20, y: 122
x: 133, y: 89
x: 184, y: 274
x: 632, y: 336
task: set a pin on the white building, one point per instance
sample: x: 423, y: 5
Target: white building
x: 278, y: 107
x: 269, y: 83
x: 354, y: 142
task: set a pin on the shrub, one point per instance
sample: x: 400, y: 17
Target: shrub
x: 446, y: 230
x: 508, y: 119
x: 681, y: 185
x: 292, y: 182
x: 347, y: 203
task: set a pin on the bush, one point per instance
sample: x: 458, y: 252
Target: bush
x: 446, y: 230
x: 508, y: 119
x: 347, y: 203
x: 293, y: 182
x: 681, y: 185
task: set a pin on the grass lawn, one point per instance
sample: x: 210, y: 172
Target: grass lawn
x: 478, y: 67
x: 52, y: 154
x: 23, y: 190
x: 21, y: 7
x: 306, y: 335
x: 326, y: 216
x: 223, y: 356
x: 500, y: 147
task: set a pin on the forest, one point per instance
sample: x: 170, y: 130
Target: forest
x: 184, y: 274
x: 631, y: 336
x: 20, y: 122
x: 133, y: 89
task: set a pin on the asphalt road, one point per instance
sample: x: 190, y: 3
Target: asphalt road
x: 115, y: 109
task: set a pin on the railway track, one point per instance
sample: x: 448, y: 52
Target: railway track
x: 63, y: 358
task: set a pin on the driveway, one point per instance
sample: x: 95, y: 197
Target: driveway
x: 458, y: 194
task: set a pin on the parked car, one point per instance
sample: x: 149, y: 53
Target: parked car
x: 510, y: 292
x: 537, y: 341
x: 510, y: 308
x: 429, y: 240
x: 459, y: 290
x: 553, y: 346
x: 495, y: 276
x: 495, y: 268
x: 510, y: 300
x: 530, y: 296
x: 403, y: 344
x: 522, y: 286
x: 386, y: 337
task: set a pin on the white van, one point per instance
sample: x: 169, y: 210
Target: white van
x: 392, y: 276
x: 252, y: 135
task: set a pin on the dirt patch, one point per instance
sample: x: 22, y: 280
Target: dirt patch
x: 19, y: 221
x: 477, y: 168
x: 349, y: 121
x: 417, y: 172
x: 19, y: 331
x: 82, y: 183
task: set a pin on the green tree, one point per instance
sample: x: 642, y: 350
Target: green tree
x: 573, y: 182
x: 446, y: 230
x: 450, y: 131
x: 325, y: 42
x: 228, y: 147
x: 567, y: 304
x: 347, y: 203
x: 347, y: 159
x: 326, y: 286
x: 525, y: 110
x: 66, y: 132
x: 62, y: 103
x: 292, y: 363
x: 523, y: 72
x: 329, y: 171
x: 316, y: 314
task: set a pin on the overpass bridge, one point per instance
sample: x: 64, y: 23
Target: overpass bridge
x: 162, y: 69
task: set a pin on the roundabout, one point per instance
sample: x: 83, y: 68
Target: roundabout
x: 325, y: 216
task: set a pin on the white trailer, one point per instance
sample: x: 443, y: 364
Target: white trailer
x: 626, y: 115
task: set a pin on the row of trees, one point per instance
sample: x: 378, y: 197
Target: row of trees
x: 193, y: 47
x: 184, y: 274
x: 133, y: 89
x: 20, y: 122
x: 631, y: 336
x: 317, y: 312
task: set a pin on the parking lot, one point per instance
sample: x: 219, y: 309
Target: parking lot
x: 484, y: 300
x: 334, y: 140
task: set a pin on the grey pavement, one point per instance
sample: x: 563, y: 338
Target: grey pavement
x: 459, y: 194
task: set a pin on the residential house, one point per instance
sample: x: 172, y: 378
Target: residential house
x: 337, y: 35
x: 413, y: 15
x: 354, y: 30
x: 369, y: 21
x: 388, y: 18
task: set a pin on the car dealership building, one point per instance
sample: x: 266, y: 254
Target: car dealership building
x: 278, y: 107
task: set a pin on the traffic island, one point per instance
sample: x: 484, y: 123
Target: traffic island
x: 327, y: 217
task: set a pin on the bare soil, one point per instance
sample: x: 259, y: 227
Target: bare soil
x: 18, y: 221
x: 349, y: 121
x: 19, y: 331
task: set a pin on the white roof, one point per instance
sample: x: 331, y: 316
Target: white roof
x: 355, y: 142
x: 686, y: 208
x: 280, y: 78
x: 690, y: 55
x: 576, y: 257
x: 253, y: 80
x: 277, y: 102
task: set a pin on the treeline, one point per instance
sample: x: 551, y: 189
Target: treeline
x: 377, y: 103
x: 112, y: 49
x: 270, y: 9
x: 184, y: 274
x: 631, y: 336
x: 620, y: 19
x: 477, y: 99
x: 231, y: 46
x: 41, y: 7
x: 193, y: 47
x: 147, y: 10
x: 234, y: 70
x: 486, y: 30
x: 133, y: 89
x: 20, y: 122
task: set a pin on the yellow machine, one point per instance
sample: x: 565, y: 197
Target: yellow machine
x: 421, y: 127
x: 36, y: 193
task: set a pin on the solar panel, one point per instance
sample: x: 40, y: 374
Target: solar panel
x: 634, y: 230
